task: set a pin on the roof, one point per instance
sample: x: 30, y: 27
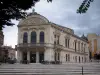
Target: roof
x: 34, y: 19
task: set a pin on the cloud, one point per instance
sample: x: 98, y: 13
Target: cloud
x: 63, y: 12
x: 10, y: 34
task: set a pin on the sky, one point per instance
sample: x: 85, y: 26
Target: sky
x: 62, y: 12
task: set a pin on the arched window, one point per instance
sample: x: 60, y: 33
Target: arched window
x: 41, y: 37
x: 33, y: 37
x: 25, y: 37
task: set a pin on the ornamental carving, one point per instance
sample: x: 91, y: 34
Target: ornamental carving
x: 67, y: 36
x: 57, y: 32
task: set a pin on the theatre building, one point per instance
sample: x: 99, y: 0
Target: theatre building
x: 41, y: 40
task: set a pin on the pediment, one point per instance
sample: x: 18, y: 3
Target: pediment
x: 34, y: 20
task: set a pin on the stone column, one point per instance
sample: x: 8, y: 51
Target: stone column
x: 38, y: 39
x: 28, y: 56
x: 29, y: 37
x: 19, y: 56
x: 37, y: 56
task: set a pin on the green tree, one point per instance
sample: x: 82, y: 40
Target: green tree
x: 14, y: 9
x: 84, y: 6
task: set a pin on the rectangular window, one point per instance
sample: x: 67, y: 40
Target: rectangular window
x: 76, y: 58
x: 58, y: 56
x: 58, y: 40
x: 84, y: 47
x: 75, y: 46
x: 66, y: 42
x: 66, y: 57
x: 55, y: 36
x: 54, y: 39
x: 79, y: 46
x: 55, y: 42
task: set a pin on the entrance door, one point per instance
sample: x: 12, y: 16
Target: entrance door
x: 55, y: 56
x: 41, y: 57
x: 32, y: 57
x: 79, y: 59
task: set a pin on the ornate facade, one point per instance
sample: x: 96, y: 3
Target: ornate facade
x: 40, y: 40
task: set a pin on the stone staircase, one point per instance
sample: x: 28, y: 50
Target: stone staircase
x: 40, y: 69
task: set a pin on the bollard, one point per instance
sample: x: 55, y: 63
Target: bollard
x: 82, y: 70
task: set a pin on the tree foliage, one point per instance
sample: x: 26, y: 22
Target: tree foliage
x: 14, y: 9
x: 84, y: 6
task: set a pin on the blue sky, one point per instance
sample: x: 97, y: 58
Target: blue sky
x: 62, y: 12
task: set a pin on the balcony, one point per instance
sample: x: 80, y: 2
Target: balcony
x: 39, y: 45
x: 34, y: 45
x: 57, y: 46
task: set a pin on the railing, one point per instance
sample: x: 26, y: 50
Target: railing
x: 34, y: 45
x: 40, y: 45
x: 56, y: 46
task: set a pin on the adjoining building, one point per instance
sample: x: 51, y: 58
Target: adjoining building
x: 7, y: 53
x: 94, y: 43
x: 41, y: 40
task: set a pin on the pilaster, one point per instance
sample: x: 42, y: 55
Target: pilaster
x: 37, y: 56
x: 28, y: 56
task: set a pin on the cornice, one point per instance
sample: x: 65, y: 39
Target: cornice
x: 62, y: 48
x: 68, y: 33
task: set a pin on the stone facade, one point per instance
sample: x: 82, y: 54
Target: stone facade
x: 49, y: 42
x: 7, y: 52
